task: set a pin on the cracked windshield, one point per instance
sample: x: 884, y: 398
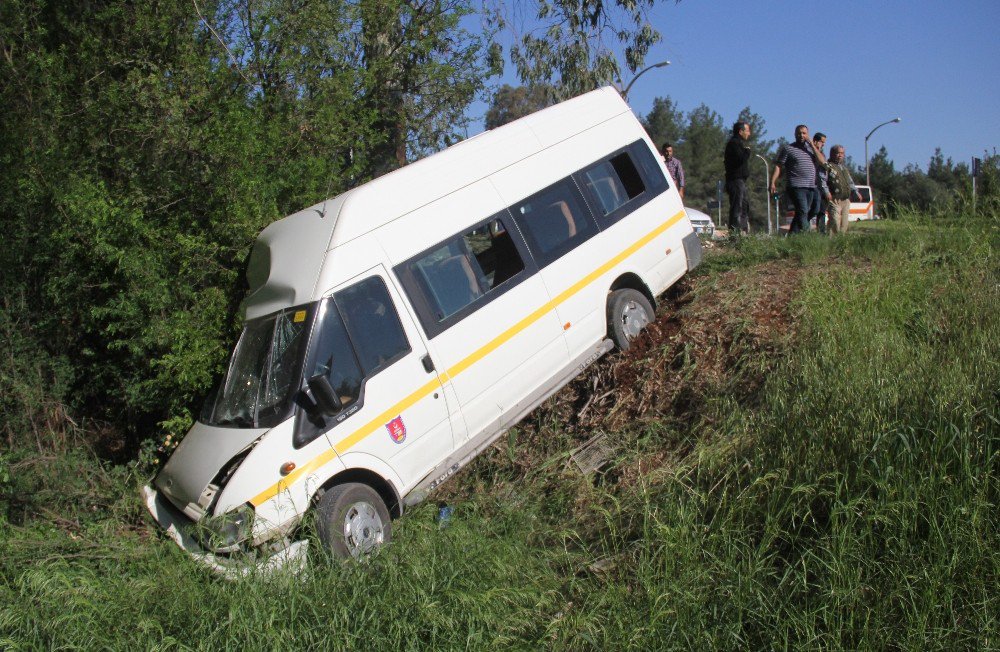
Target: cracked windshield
x: 262, y: 372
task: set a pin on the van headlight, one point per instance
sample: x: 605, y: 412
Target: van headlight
x: 225, y: 532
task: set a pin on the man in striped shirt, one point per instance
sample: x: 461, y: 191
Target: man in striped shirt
x: 799, y: 161
x: 674, y: 167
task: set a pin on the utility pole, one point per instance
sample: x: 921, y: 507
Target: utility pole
x: 718, y: 199
x: 868, y: 178
x: 767, y: 180
x: 624, y: 89
x: 976, y: 162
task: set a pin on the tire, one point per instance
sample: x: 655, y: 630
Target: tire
x: 628, y: 313
x: 352, y: 521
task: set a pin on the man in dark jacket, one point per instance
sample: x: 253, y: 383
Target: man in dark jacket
x: 736, y: 159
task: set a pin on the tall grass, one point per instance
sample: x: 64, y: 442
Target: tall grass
x: 858, y: 509
x: 854, y: 506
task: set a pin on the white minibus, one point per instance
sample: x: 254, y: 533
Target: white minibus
x: 862, y: 205
x: 393, y: 332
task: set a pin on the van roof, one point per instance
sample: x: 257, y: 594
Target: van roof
x: 288, y: 254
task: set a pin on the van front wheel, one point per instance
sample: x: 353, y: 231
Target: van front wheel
x: 629, y: 311
x: 352, y: 520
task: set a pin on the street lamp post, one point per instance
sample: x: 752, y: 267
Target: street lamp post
x: 624, y: 90
x: 767, y: 178
x: 868, y: 178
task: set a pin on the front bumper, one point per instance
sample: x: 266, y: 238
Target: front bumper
x: 176, y: 524
x: 692, y: 249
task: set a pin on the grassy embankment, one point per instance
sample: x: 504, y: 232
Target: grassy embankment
x: 836, y: 486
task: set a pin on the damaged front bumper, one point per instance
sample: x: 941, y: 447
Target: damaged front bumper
x: 264, y: 559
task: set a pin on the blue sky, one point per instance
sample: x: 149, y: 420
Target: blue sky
x: 841, y: 67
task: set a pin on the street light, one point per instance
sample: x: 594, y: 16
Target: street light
x: 868, y: 179
x: 767, y: 178
x: 624, y: 92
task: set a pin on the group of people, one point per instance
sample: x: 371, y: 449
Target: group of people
x: 819, y: 188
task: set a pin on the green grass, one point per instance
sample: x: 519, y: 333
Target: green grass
x: 853, y: 506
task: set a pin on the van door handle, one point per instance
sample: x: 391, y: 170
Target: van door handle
x: 428, y: 363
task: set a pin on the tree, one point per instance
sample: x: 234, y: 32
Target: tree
x: 423, y: 69
x: 953, y: 178
x: 699, y: 140
x: 144, y: 145
x: 988, y: 181
x: 915, y: 188
x: 574, y: 47
x: 664, y: 122
x: 510, y: 103
x: 701, y: 151
x: 884, y: 179
x: 759, y: 143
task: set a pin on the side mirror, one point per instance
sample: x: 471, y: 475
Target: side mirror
x: 324, y: 396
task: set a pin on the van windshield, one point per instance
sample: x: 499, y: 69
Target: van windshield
x: 263, y: 372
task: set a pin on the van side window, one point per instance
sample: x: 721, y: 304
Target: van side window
x: 334, y: 357
x: 649, y: 166
x: 628, y: 174
x: 614, y: 182
x: 466, y: 267
x: 372, y: 323
x: 554, y: 221
x: 604, y: 183
x: 494, y: 252
x: 359, y: 334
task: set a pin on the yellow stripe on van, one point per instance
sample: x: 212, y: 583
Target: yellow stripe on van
x: 348, y: 442
x: 344, y: 444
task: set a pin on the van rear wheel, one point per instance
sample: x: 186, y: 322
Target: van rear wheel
x: 629, y: 311
x: 352, y: 520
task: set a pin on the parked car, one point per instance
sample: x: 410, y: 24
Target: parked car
x: 701, y: 222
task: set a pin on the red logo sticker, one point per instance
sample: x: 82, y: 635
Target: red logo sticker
x: 397, y: 429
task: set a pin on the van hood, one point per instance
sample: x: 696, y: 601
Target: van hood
x: 199, y: 457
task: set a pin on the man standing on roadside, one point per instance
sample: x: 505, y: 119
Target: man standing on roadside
x: 674, y: 167
x: 736, y: 159
x: 822, y: 192
x: 799, y: 160
x: 841, y: 186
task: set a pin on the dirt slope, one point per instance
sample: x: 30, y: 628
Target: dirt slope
x: 714, y: 335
